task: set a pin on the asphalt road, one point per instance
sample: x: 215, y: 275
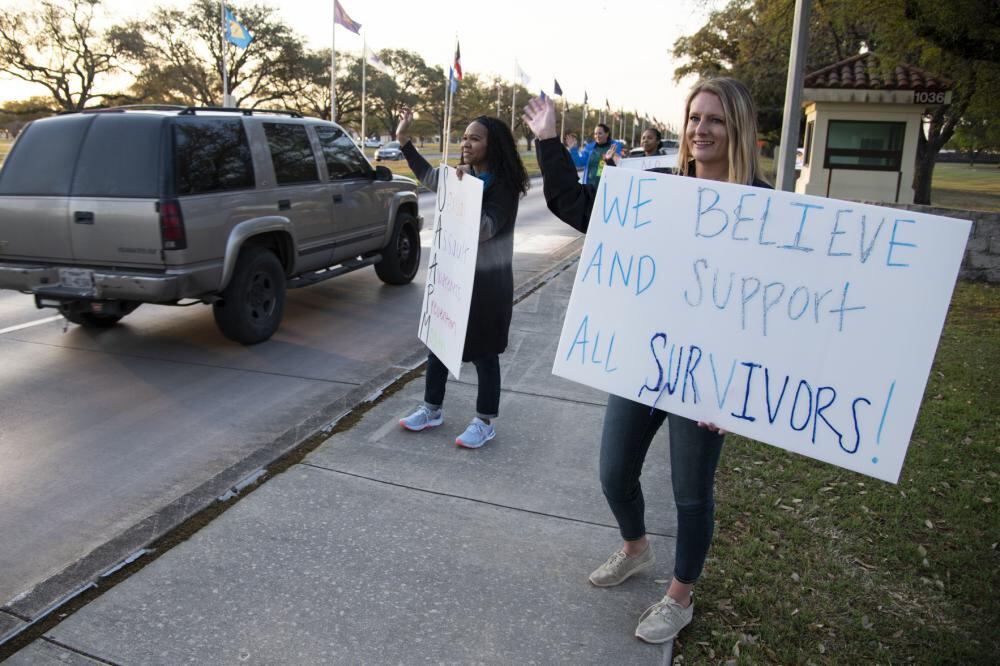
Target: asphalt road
x: 100, y: 430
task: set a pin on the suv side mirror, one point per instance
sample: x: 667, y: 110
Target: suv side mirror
x: 383, y: 173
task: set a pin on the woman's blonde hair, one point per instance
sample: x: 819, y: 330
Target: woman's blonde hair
x: 741, y: 129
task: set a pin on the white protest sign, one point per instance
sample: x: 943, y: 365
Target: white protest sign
x: 451, y: 269
x: 651, y: 162
x: 802, y: 322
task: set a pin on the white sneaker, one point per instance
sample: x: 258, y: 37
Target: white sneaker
x: 663, y: 620
x: 620, y: 566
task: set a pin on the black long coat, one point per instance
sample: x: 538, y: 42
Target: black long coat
x: 493, y: 290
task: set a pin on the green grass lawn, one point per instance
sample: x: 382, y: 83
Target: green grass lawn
x: 969, y: 188
x: 815, y: 564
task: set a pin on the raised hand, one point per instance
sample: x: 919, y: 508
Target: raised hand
x: 613, y: 157
x: 403, y: 129
x: 540, y: 117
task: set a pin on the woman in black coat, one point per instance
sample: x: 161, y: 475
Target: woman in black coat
x: 490, y: 154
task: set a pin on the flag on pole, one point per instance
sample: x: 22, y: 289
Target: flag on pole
x: 235, y: 32
x: 458, y: 62
x: 341, y: 17
x: 521, y: 74
x: 556, y: 88
x: 607, y: 103
x: 374, y: 61
x: 452, y: 81
x: 585, y: 98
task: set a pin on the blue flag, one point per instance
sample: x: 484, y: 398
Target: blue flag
x: 235, y: 32
x: 452, y: 81
x: 557, y: 89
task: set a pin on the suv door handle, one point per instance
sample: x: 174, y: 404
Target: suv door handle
x: 83, y: 217
x: 337, y: 198
x: 284, y: 204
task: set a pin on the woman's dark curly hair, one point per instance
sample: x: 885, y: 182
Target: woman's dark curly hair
x: 654, y: 130
x: 502, y: 159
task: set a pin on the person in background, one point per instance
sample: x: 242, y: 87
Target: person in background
x: 594, y: 155
x: 652, y: 142
x: 488, y: 153
x: 719, y: 143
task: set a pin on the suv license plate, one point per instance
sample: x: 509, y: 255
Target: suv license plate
x: 77, y: 278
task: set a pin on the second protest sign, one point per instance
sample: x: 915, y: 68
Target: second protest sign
x: 451, y: 267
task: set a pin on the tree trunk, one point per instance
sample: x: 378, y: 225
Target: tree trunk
x: 923, y: 175
x: 940, y: 128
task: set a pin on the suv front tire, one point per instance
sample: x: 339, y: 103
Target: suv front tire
x: 401, y: 257
x: 253, y: 303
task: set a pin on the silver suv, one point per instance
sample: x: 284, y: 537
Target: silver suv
x: 102, y: 211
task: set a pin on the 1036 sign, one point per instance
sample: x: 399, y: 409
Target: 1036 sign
x: 928, y: 97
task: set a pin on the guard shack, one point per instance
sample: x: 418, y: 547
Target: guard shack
x: 862, y: 128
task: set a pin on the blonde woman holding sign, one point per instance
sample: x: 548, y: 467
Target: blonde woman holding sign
x: 719, y: 143
x: 488, y: 153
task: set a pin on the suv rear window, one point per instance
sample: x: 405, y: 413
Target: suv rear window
x: 44, y: 157
x: 343, y: 159
x: 120, y: 157
x: 211, y: 155
x: 291, y: 153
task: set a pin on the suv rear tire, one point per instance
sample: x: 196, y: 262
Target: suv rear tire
x: 252, y: 304
x: 401, y: 257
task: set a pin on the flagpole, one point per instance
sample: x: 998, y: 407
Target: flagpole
x: 448, y: 94
x: 333, y: 66
x: 499, y: 90
x: 447, y: 120
x: 635, y: 121
x: 444, y: 117
x: 222, y: 37
x: 364, y: 82
x: 562, y: 127
x: 583, y: 120
x: 513, y: 97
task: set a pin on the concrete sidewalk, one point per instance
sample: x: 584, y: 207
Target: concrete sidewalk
x: 385, y: 546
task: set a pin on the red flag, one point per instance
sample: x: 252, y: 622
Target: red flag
x: 458, y: 62
x: 341, y: 17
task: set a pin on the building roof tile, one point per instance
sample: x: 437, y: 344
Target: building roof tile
x: 867, y: 71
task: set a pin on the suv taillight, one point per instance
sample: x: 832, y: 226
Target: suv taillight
x: 172, y: 225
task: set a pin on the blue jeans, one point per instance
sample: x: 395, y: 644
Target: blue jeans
x: 488, y: 398
x: 694, y: 454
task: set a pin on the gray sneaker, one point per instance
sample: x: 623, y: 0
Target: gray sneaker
x: 620, y: 566
x: 424, y: 417
x: 663, y: 620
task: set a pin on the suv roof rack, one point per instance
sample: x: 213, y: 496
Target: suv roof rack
x: 192, y: 110
x: 132, y: 107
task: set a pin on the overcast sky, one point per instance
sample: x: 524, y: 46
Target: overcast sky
x: 619, y: 49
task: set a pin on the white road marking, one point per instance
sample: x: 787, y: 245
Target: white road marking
x: 11, y: 329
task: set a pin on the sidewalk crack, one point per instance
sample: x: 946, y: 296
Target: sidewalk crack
x: 74, y: 650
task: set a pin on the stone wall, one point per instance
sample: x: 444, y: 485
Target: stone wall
x: 982, y: 253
